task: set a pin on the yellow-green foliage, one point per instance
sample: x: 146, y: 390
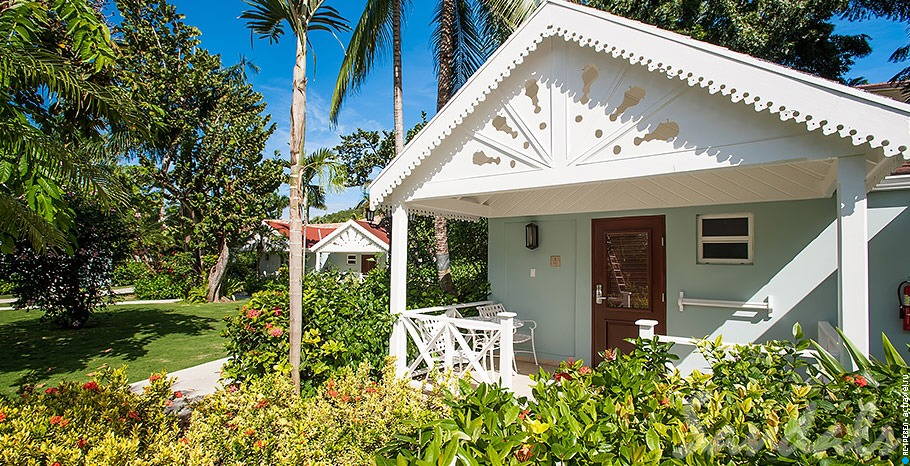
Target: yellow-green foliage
x: 87, y: 423
x: 350, y: 417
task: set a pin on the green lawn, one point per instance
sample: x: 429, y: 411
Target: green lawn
x: 148, y: 338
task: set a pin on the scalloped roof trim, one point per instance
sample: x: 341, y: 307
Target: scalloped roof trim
x: 829, y: 125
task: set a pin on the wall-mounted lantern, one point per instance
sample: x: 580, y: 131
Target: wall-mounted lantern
x: 532, y: 239
x: 370, y: 214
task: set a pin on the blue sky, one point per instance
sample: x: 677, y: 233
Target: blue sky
x: 223, y: 33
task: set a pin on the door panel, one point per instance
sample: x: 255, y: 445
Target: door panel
x: 367, y: 263
x: 629, y: 276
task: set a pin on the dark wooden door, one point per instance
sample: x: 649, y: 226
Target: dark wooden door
x: 367, y: 263
x: 628, y: 279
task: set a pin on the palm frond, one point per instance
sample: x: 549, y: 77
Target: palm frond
x: 266, y: 18
x: 468, y: 47
x: 371, y: 38
x: 499, y: 18
x: 18, y: 222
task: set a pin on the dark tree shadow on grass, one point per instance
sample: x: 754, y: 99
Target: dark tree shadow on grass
x: 44, y: 350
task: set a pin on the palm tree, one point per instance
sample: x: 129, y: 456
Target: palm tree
x: 66, y: 143
x: 268, y: 18
x: 322, y: 172
x: 466, y: 31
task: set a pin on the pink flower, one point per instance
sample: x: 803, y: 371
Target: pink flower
x: 91, y: 386
x: 860, y: 381
x: 584, y: 370
x: 178, y: 394
x: 154, y: 377
x: 559, y: 376
x: 52, y: 391
x: 276, y: 332
x: 253, y: 313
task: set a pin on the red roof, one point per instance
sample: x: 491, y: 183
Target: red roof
x: 315, y: 232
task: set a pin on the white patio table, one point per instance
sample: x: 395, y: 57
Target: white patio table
x: 481, y: 338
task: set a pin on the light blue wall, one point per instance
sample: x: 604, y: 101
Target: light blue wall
x: 795, y: 262
x: 889, y: 264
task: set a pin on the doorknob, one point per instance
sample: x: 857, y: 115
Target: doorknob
x: 599, y: 294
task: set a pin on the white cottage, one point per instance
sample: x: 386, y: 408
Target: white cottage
x: 673, y: 186
x: 356, y: 246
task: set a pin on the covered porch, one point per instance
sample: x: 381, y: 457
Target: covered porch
x: 668, y: 181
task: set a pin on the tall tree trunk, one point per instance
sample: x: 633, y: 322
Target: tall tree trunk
x: 295, y: 244
x: 398, y: 105
x: 446, y: 56
x: 216, y: 274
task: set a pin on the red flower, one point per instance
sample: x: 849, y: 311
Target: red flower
x: 860, y: 381
x: 178, y: 394
x: 277, y: 311
x: 276, y: 332
x: 184, y: 440
x: 232, y: 388
x: 370, y: 390
x: 665, y: 401
x: 262, y: 404
x: 524, y: 414
x: 249, y: 432
x: 133, y: 415
x: 2, y: 416
x: 154, y: 377
x: 331, y: 393
x: 525, y: 453
x: 52, y: 391
x: 56, y: 463
x: 584, y: 370
x: 561, y: 376
x: 259, y: 444
x: 92, y: 386
x: 253, y: 313
x: 81, y: 443
x: 346, y: 398
x: 58, y: 421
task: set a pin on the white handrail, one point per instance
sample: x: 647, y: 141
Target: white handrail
x: 424, y: 310
x: 766, y: 305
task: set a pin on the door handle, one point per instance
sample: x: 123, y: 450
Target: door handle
x: 599, y: 294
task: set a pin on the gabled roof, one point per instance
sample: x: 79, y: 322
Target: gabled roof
x: 321, y: 233
x: 862, y: 118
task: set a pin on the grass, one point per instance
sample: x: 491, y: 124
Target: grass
x: 148, y: 338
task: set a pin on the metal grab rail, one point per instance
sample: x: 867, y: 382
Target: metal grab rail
x: 766, y: 305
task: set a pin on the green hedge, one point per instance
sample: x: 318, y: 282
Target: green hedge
x: 763, y: 405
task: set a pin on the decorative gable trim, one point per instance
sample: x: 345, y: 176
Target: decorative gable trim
x: 346, y: 229
x: 792, y: 95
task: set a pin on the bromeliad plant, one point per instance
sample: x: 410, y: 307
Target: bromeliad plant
x: 761, y: 405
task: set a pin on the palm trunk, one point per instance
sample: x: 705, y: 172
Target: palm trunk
x: 295, y: 268
x: 216, y: 274
x: 398, y: 105
x: 446, y: 55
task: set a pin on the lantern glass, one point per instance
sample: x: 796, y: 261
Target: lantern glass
x: 532, y: 239
x: 371, y: 214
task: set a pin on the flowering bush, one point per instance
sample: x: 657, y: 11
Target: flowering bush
x: 344, y: 323
x: 96, y: 422
x: 762, y: 405
x: 262, y: 422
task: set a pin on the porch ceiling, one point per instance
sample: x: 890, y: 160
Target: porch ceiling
x: 786, y: 181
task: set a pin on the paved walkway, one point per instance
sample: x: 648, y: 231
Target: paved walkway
x: 195, y: 382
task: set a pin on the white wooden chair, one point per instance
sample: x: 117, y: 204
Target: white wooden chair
x: 519, y: 336
x: 437, y: 350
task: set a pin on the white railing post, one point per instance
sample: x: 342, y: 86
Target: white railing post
x: 506, y: 351
x: 398, y: 346
x: 448, y: 358
x: 646, y: 328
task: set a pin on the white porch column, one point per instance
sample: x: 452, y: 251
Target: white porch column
x: 506, y: 349
x: 398, y: 344
x: 320, y: 260
x: 853, y: 251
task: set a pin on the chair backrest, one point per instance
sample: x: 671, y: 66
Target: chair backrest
x: 453, y: 313
x: 490, y: 310
x: 428, y: 329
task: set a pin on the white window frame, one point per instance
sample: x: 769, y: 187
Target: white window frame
x: 352, y: 259
x: 749, y: 240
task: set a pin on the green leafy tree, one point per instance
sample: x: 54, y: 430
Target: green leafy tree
x: 205, y: 165
x: 268, y: 19
x: 68, y: 286
x: 799, y: 35
x: 60, y: 117
x: 895, y: 10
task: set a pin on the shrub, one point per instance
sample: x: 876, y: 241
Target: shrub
x: 345, y: 322
x: 129, y: 272
x: 756, y: 408
x: 262, y: 422
x: 69, y: 285
x: 172, y: 278
x: 97, y: 422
